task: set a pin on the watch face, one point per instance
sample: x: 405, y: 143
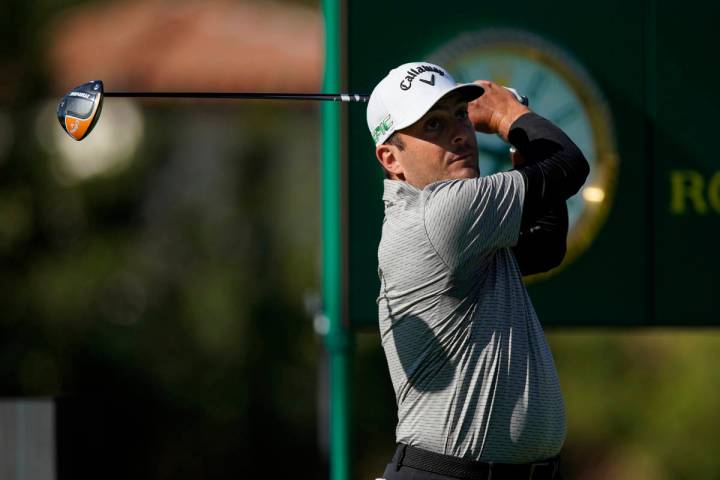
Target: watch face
x: 559, y: 89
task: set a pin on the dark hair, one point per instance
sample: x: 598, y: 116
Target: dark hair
x: 394, y: 139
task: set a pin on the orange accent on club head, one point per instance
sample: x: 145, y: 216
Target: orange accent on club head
x: 77, y: 127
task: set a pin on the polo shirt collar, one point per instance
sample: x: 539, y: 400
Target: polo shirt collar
x: 397, y: 189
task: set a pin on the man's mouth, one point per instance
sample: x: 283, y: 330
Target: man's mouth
x: 465, y: 157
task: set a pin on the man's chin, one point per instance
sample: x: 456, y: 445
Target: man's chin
x: 468, y: 171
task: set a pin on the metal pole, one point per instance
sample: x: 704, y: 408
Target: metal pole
x: 337, y: 338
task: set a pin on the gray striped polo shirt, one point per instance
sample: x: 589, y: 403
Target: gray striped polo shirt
x: 471, y: 368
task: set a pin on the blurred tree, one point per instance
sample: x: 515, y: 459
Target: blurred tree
x: 165, y: 298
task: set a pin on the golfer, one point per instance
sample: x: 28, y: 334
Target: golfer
x: 476, y: 387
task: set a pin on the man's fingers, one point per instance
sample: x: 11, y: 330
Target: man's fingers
x: 496, y: 109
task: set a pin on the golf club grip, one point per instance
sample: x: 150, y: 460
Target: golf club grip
x: 336, y: 97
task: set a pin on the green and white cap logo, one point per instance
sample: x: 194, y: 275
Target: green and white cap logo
x: 406, y: 94
x: 381, y: 130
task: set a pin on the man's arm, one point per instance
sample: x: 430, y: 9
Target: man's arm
x: 466, y: 219
x: 542, y: 244
x: 553, y: 169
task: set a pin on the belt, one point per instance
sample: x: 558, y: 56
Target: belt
x: 467, y: 469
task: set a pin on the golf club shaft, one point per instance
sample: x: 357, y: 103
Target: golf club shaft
x: 335, y: 97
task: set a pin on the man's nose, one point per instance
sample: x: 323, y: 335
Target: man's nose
x: 463, y: 130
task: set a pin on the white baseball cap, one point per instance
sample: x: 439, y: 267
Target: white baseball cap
x: 407, y: 93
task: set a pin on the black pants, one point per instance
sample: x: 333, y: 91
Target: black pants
x: 404, y: 472
x: 407, y: 473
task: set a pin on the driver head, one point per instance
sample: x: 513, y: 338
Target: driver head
x: 79, y: 110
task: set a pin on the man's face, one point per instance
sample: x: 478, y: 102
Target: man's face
x: 439, y: 146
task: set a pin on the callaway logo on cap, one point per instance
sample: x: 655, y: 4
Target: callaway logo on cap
x: 407, y: 93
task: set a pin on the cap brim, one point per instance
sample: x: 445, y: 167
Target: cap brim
x: 469, y: 91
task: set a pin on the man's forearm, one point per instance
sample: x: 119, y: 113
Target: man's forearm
x: 554, y: 168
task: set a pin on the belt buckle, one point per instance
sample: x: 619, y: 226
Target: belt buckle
x: 534, y: 466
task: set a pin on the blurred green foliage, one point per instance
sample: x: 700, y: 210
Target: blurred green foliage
x: 176, y: 286
x: 168, y: 295
x: 644, y: 401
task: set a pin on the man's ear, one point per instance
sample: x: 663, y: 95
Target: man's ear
x: 388, y: 157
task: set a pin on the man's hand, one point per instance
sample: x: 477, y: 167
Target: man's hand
x: 495, y: 110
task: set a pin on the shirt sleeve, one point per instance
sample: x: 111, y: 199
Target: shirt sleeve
x: 554, y: 169
x: 468, y: 219
x: 543, y: 243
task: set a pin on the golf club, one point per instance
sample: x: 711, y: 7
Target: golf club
x: 79, y: 110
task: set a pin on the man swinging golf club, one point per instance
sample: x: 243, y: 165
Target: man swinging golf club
x: 476, y: 387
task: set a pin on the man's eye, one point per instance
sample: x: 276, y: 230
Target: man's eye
x: 433, y: 124
x: 462, y: 114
